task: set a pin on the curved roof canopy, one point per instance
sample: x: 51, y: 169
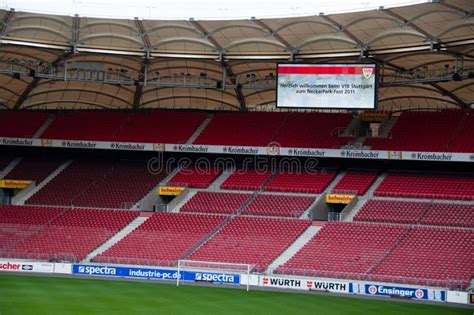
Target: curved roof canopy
x: 416, y: 41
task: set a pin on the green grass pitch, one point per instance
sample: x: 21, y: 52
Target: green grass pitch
x: 41, y: 295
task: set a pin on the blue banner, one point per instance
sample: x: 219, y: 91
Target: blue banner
x: 157, y: 274
x: 412, y: 293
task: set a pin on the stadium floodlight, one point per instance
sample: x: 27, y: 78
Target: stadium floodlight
x: 211, y: 267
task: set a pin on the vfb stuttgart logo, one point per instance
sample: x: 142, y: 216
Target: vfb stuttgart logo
x: 419, y: 294
x: 372, y: 289
x: 265, y: 281
x: 367, y: 72
x: 309, y: 284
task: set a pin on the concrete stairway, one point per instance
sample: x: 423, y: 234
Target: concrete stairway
x: 44, y: 182
x: 293, y: 248
x: 178, y: 207
x: 375, y: 184
x: 10, y: 167
x: 353, y: 127
x: 45, y: 126
x: 307, y: 213
x: 334, y: 182
x: 116, y: 238
x: 221, y: 179
x: 171, y: 175
x: 349, y: 217
x: 386, y: 126
x: 201, y: 127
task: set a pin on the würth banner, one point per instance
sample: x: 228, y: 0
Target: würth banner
x: 305, y: 284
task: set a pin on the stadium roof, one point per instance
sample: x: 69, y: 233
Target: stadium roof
x: 416, y: 42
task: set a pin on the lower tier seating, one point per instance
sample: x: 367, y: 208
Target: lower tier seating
x: 215, y: 202
x: 428, y: 256
x: 162, y: 239
x: 17, y: 223
x: 431, y: 257
x: 278, y: 205
x: 71, y: 235
x: 427, y: 186
x: 343, y: 250
x: 251, y: 240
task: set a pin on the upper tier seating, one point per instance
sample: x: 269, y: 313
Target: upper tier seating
x: 214, y: 202
x: 17, y: 223
x: 34, y: 168
x: 70, y: 235
x: 355, y: 182
x: 251, y: 240
x: 427, y: 186
x: 278, y: 205
x: 392, y: 211
x: 124, y: 186
x: 313, y: 183
x: 98, y: 183
x: 409, y: 212
x: 449, y: 214
x: 98, y: 126
x: 430, y: 256
x: 463, y: 138
x: 162, y: 239
x: 246, y: 179
x: 160, y: 127
x: 420, y: 131
x: 193, y: 177
x: 314, y: 130
x: 247, y: 129
x: 21, y: 124
x: 71, y: 182
x: 343, y: 250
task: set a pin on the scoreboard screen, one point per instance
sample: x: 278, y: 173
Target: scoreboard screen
x: 332, y: 86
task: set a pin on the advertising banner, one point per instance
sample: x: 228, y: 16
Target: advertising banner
x: 336, y: 198
x: 272, y: 150
x: 22, y: 266
x: 404, y: 292
x: 156, y: 274
x: 305, y: 284
x: 170, y: 191
x: 15, y: 184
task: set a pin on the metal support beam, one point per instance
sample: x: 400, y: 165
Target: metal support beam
x: 76, y: 28
x: 451, y: 95
x: 143, y: 77
x: 5, y: 21
x: 455, y: 8
x: 344, y: 31
x: 137, y: 96
x: 292, y: 50
x: 225, y: 67
x: 410, y: 24
x: 36, y: 80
